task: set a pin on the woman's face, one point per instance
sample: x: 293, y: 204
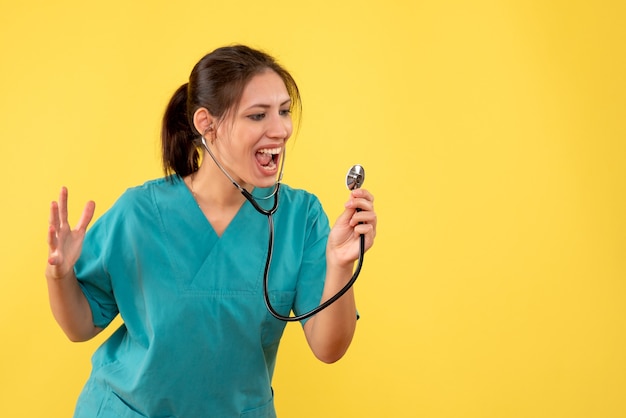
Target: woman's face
x: 251, y: 140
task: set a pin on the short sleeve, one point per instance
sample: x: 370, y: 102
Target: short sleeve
x: 312, y: 272
x: 92, y: 274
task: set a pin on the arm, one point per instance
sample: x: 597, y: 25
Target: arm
x: 330, y: 332
x: 67, y: 301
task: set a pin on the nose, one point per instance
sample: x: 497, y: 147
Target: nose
x: 280, y: 127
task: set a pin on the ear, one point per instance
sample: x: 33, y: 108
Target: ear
x: 203, y: 120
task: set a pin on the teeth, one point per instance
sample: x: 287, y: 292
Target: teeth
x: 270, y: 151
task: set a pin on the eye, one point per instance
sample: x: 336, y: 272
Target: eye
x: 257, y: 116
x: 284, y: 112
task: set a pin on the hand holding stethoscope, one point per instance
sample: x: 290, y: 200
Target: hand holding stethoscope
x: 358, y: 219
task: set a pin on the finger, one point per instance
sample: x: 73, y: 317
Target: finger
x: 86, y: 216
x: 63, y: 206
x: 53, y: 242
x: 363, y: 216
x: 364, y: 229
x: 364, y: 201
x: 54, y: 259
x: 52, y: 238
x: 367, y: 231
x: 54, y: 215
x: 362, y: 194
x: 364, y: 204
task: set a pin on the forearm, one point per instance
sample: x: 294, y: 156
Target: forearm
x: 71, y: 309
x: 330, y: 332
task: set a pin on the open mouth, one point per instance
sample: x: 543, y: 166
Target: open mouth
x: 268, y: 158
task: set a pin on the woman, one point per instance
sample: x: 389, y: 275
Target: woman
x: 182, y: 258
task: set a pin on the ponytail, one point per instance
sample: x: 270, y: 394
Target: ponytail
x: 179, y: 150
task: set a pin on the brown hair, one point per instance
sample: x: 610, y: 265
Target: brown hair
x: 216, y: 83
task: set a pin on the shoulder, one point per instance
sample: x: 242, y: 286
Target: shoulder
x: 300, y: 203
x: 297, y: 197
x: 148, y: 192
x: 137, y: 206
x: 158, y: 185
x: 141, y: 200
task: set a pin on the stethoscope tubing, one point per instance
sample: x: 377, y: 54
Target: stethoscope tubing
x: 268, y: 262
x: 270, y: 246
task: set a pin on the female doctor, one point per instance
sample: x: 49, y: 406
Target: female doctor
x: 182, y: 258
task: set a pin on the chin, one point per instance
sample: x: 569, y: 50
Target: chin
x: 262, y: 180
x: 266, y: 183
x: 259, y: 182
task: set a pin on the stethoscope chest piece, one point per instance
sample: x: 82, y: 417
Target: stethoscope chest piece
x: 355, y: 177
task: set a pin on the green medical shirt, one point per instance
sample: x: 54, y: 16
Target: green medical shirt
x: 196, y: 339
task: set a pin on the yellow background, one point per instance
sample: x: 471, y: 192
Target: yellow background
x: 493, y: 135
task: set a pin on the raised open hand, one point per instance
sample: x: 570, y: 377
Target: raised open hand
x: 64, y: 243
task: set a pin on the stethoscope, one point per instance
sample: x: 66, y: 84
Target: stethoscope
x: 354, y: 180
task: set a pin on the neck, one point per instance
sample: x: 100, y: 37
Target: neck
x: 211, y: 187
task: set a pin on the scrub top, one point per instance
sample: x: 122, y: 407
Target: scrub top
x: 196, y: 339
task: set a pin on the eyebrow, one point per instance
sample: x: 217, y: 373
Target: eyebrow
x: 266, y: 106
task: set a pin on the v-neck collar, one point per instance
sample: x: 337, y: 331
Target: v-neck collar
x: 198, y: 218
